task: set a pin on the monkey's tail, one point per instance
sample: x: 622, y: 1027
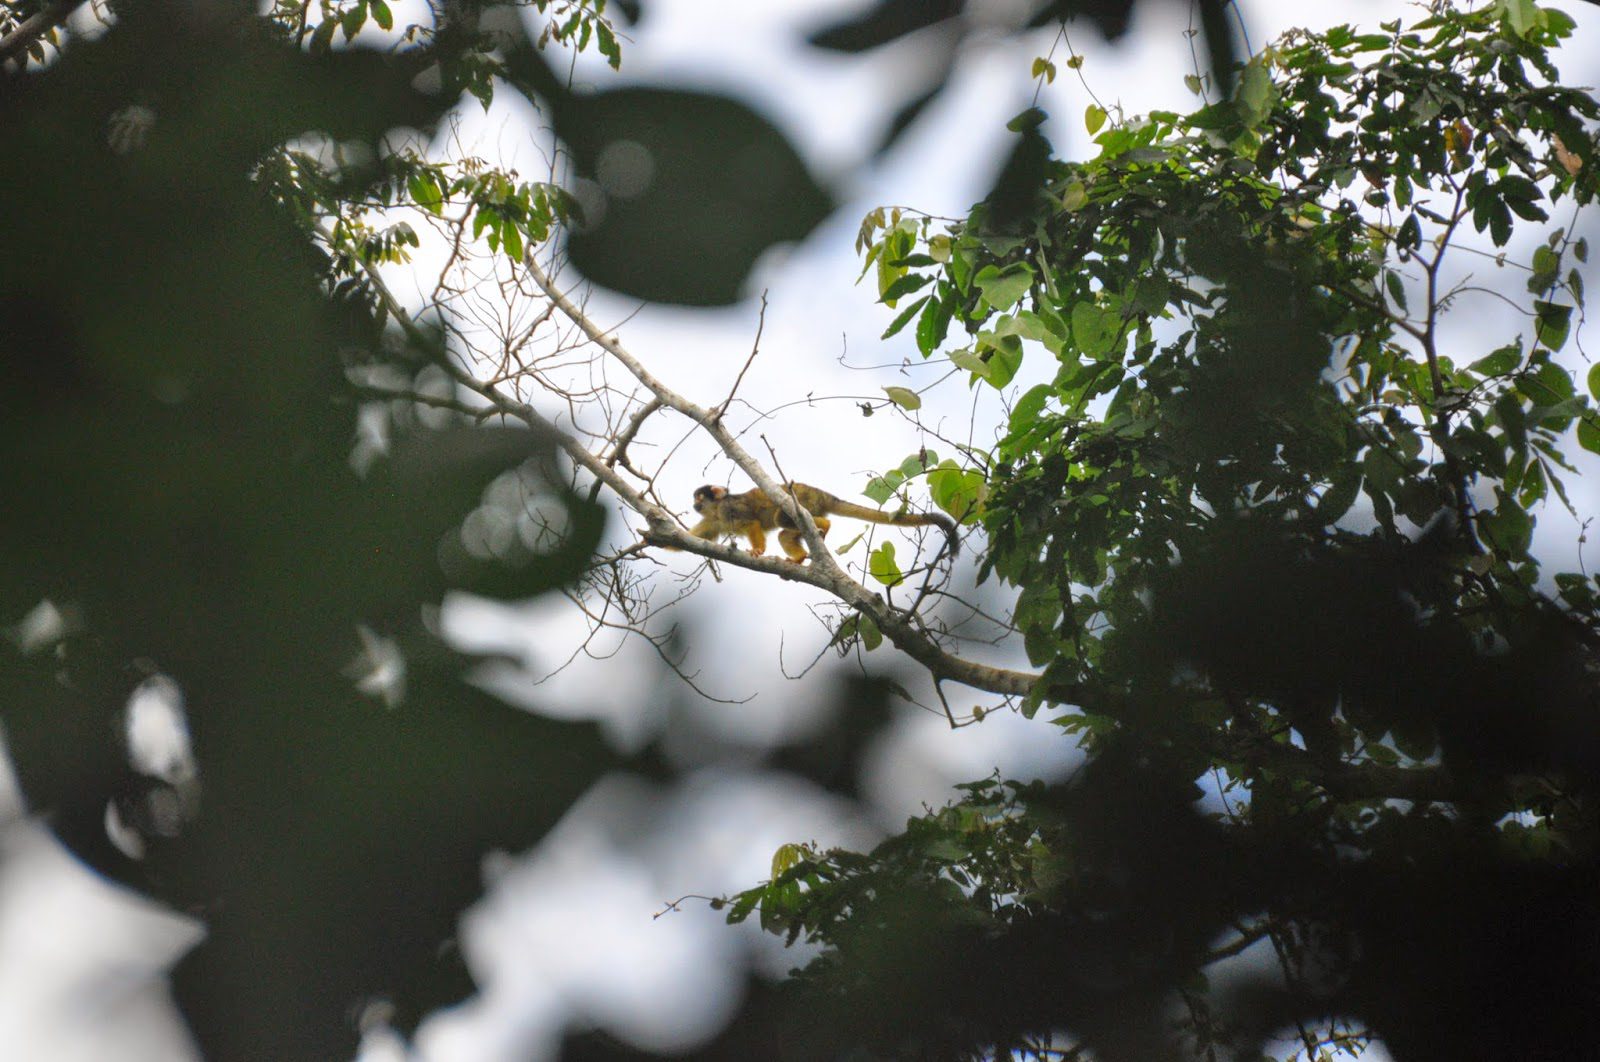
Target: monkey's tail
x: 878, y: 516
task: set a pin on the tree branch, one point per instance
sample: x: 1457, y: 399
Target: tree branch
x: 823, y: 571
x: 1343, y: 782
x: 35, y: 26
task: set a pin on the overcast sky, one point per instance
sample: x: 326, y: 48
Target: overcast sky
x: 565, y: 933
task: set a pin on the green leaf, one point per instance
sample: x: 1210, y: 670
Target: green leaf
x: 1004, y: 359
x: 881, y: 488
x: 1340, y: 495
x: 881, y: 565
x: 904, y: 285
x: 959, y: 492
x: 1589, y: 432
x: 871, y: 636
x: 1549, y: 385
x: 607, y: 43
x: 1499, y: 362
x: 787, y: 856
x: 932, y: 325
x: 1508, y: 528
x: 904, y: 397
x: 353, y: 18
x: 1552, y: 321
x: 966, y: 359
x: 744, y: 903
x: 1026, y: 412
x: 904, y: 316
x: 1095, y: 330
x: 1032, y: 118
x: 425, y: 192
x: 381, y: 14
x: 1594, y: 380
x: 322, y: 36
x: 1094, y: 116
x: 1397, y: 288
x: 918, y: 463
x: 1519, y: 15
x: 1002, y: 289
x: 1256, y: 94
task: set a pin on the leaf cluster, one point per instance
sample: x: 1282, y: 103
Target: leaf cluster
x: 1269, y: 513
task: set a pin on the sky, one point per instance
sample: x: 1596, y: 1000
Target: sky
x: 566, y: 936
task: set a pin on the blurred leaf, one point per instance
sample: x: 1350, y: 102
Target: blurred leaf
x: 886, y: 21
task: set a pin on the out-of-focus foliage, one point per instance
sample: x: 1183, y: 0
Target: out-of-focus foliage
x: 177, y: 432
x: 1271, y: 523
x: 681, y: 191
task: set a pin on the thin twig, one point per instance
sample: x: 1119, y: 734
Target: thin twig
x: 755, y: 348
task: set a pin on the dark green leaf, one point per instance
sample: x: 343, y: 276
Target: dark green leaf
x: 904, y: 316
x: 904, y: 286
x: 1340, y: 495
x: 1552, y: 321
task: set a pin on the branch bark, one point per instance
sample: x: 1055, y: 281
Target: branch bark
x: 35, y: 26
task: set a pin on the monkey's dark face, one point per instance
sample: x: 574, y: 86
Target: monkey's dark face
x: 706, y: 495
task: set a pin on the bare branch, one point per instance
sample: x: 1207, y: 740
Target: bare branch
x: 755, y: 348
x: 823, y: 571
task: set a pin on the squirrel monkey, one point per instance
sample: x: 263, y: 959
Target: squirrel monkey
x: 752, y: 514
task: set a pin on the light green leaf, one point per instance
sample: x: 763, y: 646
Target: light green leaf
x: 881, y: 565
x: 1002, y: 289
x: 1094, y: 116
x: 904, y: 397
x: 1257, y: 93
x: 966, y: 359
x: 1005, y: 358
x: 959, y: 492
x: 881, y: 488
x: 916, y: 463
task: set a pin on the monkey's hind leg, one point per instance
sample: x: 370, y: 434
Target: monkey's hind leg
x: 794, y: 545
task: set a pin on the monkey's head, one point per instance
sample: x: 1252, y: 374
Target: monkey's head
x: 708, y: 495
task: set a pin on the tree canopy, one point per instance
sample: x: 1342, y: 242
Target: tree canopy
x: 1262, y: 504
x: 1270, y: 523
